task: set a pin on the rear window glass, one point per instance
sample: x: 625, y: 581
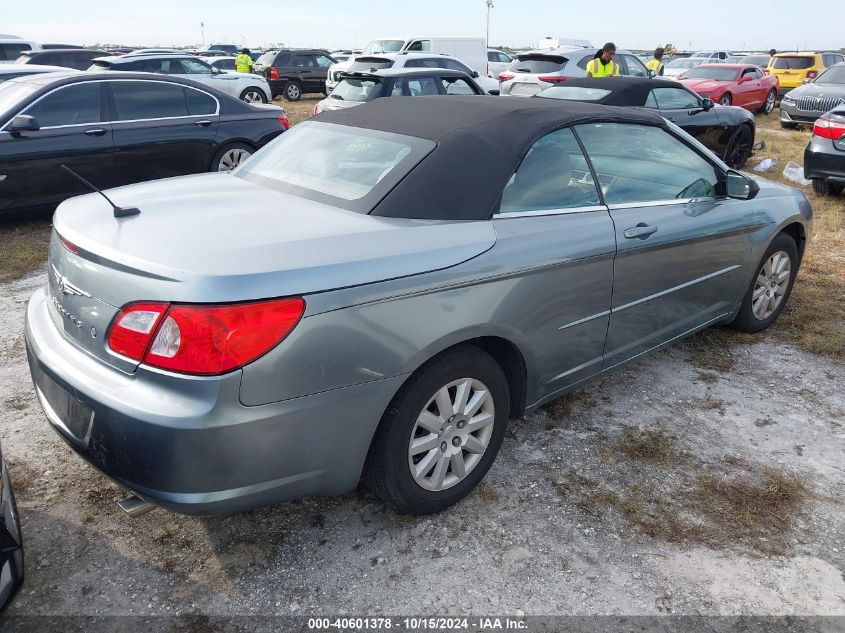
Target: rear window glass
x: 267, y: 58
x: 356, y: 89
x: 340, y: 165
x: 369, y: 63
x: 792, y: 63
x: 574, y: 93
x: 537, y: 63
x: 10, y: 52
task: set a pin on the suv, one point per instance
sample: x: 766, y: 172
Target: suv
x: 720, y: 55
x: 291, y: 72
x: 372, y: 63
x: 529, y: 73
x: 77, y: 58
x: 11, y: 47
x: 792, y: 69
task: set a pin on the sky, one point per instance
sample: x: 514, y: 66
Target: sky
x: 728, y: 24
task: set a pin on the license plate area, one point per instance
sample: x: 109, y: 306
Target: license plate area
x: 72, y: 415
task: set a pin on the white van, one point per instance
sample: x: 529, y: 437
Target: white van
x: 11, y: 48
x: 472, y: 51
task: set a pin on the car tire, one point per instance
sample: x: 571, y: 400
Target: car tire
x: 440, y: 478
x: 789, y: 126
x: 253, y: 95
x: 826, y: 188
x: 739, y: 147
x: 769, y: 291
x: 230, y: 156
x: 725, y: 99
x: 769, y: 103
x: 292, y: 91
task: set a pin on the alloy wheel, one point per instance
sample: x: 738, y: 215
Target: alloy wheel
x: 293, y: 92
x: 771, y: 285
x: 233, y: 158
x: 253, y: 96
x: 770, y: 102
x: 451, y: 434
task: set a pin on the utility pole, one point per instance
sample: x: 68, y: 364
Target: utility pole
x: 489, y: 6
x: 202, y: 30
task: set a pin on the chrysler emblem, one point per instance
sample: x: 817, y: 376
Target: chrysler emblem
x: 66, y: 287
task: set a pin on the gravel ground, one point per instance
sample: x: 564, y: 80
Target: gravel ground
x: 678, y: 485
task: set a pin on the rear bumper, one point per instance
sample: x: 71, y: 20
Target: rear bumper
x: 188, y: 444
x: 823, y: 160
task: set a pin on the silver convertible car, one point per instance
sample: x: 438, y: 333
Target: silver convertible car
x: 380, y: 289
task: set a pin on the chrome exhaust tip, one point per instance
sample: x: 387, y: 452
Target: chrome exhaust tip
x: 134, y: 506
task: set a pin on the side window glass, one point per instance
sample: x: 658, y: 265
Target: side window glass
x: 422, y: 86
x: 582, y: 63
x: 651, y: 101
x: 420, y: 45
x: 148, y: 100
x: 193, y: 67
x: 77, y: 104
x: 414, y: 63
x: 323, y: 61
x: 553, y: 175
x: 642, y: 163
x: 493, y: 57
x: 396, y: 91
x: 635, y: 66
x: 303, y: 61
x: 199, y: 103
x: 456, y: 86
x: 675, y: 99
x: 285, y: 59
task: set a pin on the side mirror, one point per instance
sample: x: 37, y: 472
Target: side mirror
x: 806, y: 81
x: 495, y: 93
x: 651, y: 73
x: 215, y: 70
x: 746, y: 79
x: 24, y: 123
x: 707, y: 104
x: 741, y: 187
x: 475, y: 74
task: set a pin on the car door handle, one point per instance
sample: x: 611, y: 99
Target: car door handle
x: 671, y: 119
x: 203, y: 123
x: 640, y: 231
x: 98, y: 131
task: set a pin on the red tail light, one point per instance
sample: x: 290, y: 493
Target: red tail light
x: 73, y: 248
x: 201, y: 339
x: 505, y: 76
x: 274, y: 72
x: 812, y: 74
x: 552, y: 79
x: 283, y: 119
x: 828, y: 128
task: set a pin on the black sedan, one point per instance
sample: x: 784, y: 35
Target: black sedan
x: 824, y: 158
x: 726, y: 130
x: 118, y: 129
x: 11, y: 543
x: 76, y: 58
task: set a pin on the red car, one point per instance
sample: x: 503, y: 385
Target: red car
x: 741, y: 85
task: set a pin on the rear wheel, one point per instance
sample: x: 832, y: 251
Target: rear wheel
x: 253, y: 95
x: 769, y: 103
x: 441, y: 433
x: 826, y: 188
x: 292, y: 91
x: 739, y: 147
x: 725, y: 99
x: 230, y: 156
x: 770, y: 287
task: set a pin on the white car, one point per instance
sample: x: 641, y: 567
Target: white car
x: 368, y: 63
x: 223, y: 63
x: 12, y: 46
x: 244, y: 86
x: 497, y: 62
x: 679, y: 66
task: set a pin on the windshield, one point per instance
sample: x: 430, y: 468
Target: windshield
x: 719, y: 74
x: 684, y: 63
x: 355, y: 89
x: 13, y: 93
x: 537, y: 63
x: 340, y: 165
x: 835, y: 75
x: 574, y: 93
x: 792, y: 63
x: 383, y: 46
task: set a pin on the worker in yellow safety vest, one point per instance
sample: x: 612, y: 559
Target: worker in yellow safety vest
x: 602, y: 65
x: 655, y: 65
x: 243, y: 62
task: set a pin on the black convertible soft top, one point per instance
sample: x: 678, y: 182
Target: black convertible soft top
x: 480, y: 142
x: 625, y: 91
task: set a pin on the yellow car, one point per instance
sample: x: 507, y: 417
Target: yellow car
x: 792, y: 69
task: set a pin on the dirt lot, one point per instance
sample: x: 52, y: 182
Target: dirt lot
x: 707, y: 479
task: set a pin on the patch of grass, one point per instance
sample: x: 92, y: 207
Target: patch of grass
x: 299, y: 111
x: 648, y: 445
x: 712, y: 349
x: 560, y: 410
x: 23, y: 247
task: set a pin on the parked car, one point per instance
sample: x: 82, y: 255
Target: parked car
x: 756, y: 59
x: 212, y: 53
x: 806, y: 103
x: 292, y: 72
x: 720, y: 55
x: 76, y: 58
x: 372, y: 63
x: 824, y: 157
x: 497, y: 62
x: 532, y: 72
x: 727, y: 131
x: 11, y: 48
x: 230, y: 49
x: 244, y: 86
x: 155, y: 51
x: 734, y: 84
x: 10, y: 71
x: 358, y: 88
x: 118, y: 128
x: 54, y: 45
x: 792, y: 69
x: 223, y: 64
x: 470, y: 51
x: 11, y: 540
x: 396, y: 283
x: 680, y: 65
